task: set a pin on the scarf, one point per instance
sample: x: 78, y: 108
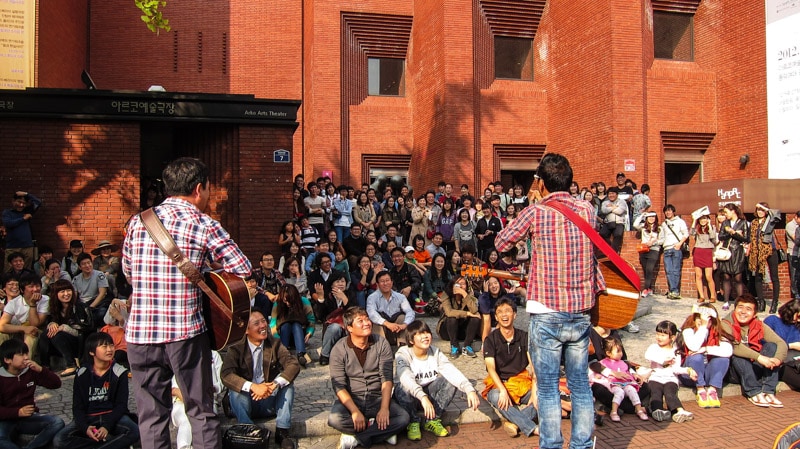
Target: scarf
x: 755, y: 333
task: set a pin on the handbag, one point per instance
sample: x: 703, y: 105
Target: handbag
x: 685, y: 247
x: 642, y: 248
x: 245, y: 436
x: 782, y: 257
x: 722, y: 252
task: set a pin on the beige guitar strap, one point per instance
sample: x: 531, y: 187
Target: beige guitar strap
x: 167, y: 244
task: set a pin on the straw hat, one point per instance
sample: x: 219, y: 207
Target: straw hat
x: 104, y: 244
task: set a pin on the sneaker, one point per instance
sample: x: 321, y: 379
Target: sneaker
x: 454, y: 352
x: 414, y: 434
x: 726, y: 306
x: 661, y: 415
x: 301, y: 358
x: 631, y: 327
x: 469, y: 352
x: 682, y: 416
x: 511, y: 429
x: 702, y: 399
x: 392, y: 440
x: 435, y: 427
x: 713, y: 399
x: 347, y: 442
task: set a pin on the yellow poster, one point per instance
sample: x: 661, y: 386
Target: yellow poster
x: 17, y: 43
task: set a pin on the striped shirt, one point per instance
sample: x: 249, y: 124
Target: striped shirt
x: 165, y: 306
x: 564, y: 275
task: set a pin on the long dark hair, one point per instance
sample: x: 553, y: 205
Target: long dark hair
x: 57, y: 307
x: 294, y: 309
x: 434, y: 272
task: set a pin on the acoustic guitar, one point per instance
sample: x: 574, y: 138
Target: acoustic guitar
x: 614, y: 307
x: 226, y: 315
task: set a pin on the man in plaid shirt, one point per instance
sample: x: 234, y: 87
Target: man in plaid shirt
x: 562, y: 287
x: 166, y: 333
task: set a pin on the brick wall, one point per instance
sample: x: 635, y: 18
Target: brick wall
x: 62, y: 36
x: 87, y: 174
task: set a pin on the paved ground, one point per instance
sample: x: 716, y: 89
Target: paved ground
x: 711, y: 428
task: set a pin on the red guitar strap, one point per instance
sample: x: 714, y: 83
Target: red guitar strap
x: 623, y: 266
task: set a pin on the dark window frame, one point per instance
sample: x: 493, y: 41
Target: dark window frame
x: 673, y: 36
x: 391, y: 73
x: 510, y: 59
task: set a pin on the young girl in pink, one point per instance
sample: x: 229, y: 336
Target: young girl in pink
x: 620, y: 379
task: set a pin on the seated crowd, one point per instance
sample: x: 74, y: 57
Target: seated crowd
x: 363, y: 267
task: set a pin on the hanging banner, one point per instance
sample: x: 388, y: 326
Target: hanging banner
x: 17, y: 43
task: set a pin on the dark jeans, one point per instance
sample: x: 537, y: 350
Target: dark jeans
x: 45, y: 427
x: 341, y: 419
x: 67, y: 346
x: 462, y: 326
x: 392, y: 337
x: 649, y: 262
x: 795, y: 262
x: 616, y: 232
x: 121, y: 436
x: 758, y: 279
x: 754, y: 377
x: 440, y: 392
x: 661, y: 393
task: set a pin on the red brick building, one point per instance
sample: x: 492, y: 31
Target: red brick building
x: 669, y: 91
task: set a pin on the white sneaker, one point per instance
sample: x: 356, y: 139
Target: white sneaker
x: 392, y: 440
x: 632, y: 328
x: 347, y: 442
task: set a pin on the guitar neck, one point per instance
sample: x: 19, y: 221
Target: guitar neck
x: 502, y: 274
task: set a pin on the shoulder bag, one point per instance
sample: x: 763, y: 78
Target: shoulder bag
x: 722, y: 253
x: 685, y: 247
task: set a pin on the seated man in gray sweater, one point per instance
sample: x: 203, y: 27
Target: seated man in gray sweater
x: 361, y: 375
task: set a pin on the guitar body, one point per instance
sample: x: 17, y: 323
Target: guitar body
x: 616, y: 306
x: 226, y: 321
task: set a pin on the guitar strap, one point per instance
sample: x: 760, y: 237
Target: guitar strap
x: 167, y: 244
x: 624, y: 267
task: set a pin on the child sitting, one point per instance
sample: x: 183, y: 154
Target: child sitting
x: 665, y: 364
x: 99, y: 402
x: 19, y: 377
x: 620, y: 379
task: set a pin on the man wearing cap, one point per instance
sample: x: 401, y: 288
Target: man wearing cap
x: 106, y: 263
x: 17, y: 221
x: 615, y: 211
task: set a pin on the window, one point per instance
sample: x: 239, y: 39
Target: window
x: 513, y: 58
x: 673, y: 36
x: 386, y: 76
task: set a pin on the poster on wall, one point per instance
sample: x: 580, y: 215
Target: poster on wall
x: 783, y: 87
x: 17, y: 43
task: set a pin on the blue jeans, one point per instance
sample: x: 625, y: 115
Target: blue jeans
x: 333, y: 333
x: 440, y: 392
x: 280, y: 403
x: 754, y: 377
x: 521, y: 418
x: 45, y: 427
x: 293, y: 332
x: 553, y: 335
x: 341, y: 419
x: 673, y: 262
x: 710, y: 370
x: 342, y: 232
x: 122, y: 436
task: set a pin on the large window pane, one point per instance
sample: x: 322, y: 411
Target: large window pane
x: 673, y: 36
x: 385, y: 76
x: 513, y: 58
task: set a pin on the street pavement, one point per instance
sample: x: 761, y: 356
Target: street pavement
x: 738, y: 424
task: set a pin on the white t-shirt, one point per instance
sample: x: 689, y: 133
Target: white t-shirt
x: 19, y: 309
x: 88, y: 289
x: 424, y: 371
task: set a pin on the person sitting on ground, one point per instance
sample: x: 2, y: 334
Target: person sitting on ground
x: 410, y: 260
x: 294, y: 275
x: 662, y: 378
x: 292, y: 321
x: 53, y: 272
x: 337, y: 301
x: 389, y: 310
x: 179, y: 418
x: 9, y: 289
x: 16, y: 261
x: 115, y: 321
x: 486, y: 304
x: 99, y: 402
x: 319, y: 284
x: 461, y: 317
x: 268, y: 278
x: 70, y: 323
x: 361, y: 377
x: 70, y: 261
x: 45, y: 254
x: 435, y: 280
x: 258, y: 372
x: 785, y: 324
x: 426, y: 378
x: 19, y: 378
x: 758, y: 353
x: 602, y: 395
x: 105, y: 262
x: 92, y: 287
x: 619, y: 378
x: 510, y: 388
x: 706, y: 344
x: 405, y: 278
x: 26, y: 313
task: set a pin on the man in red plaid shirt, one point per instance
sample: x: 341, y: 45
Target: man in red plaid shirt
x: 562, y: 287
x: 166, y: 333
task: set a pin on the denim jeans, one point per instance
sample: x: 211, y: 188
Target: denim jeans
x: 280, y: 402
x: 553, y: 335
x: 710, y: 370
x: 521, y: 418
x: 122, y: 436
x: 341, y: 419
x: 342, y: 232
x: 45, y: 427
x: 293, y: 332
x: 332, y: 334
x: 754, y: 377
x: 673, y: 262
x: 440, y: 392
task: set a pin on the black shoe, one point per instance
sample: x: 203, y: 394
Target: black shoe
x: 283, y: 440
x: 762, y: 304
x: 323, y: 360
x: 773, y: 307
x: 301, y: 357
